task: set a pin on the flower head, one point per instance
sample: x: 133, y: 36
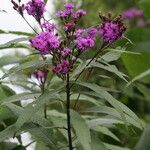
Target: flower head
x: 65, y: 52
x: 83, y: 43
x: 40, y: 75
x: 111, y: 29
x: 62, y: 67
x: 48, y: 27
x: 69, y: 26
x: 69, y: 5
x: 35, y: 8
x: 85, y: 39
x: 79, y: 13
x: 132, y: 13
x: 45, y: 42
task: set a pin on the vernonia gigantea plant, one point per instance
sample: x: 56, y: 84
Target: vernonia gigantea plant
x: 60, y: 49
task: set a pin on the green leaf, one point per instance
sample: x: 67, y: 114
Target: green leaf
x: 19, y: 97
x: 145, y: 5
x: 107, y: 132
x: 30, y: 64
x: 121, y: 108
x: 34, y: 107
x: 41, y: 146
x: 103, y: 122
x: 110, y: 68
x: 113, y: 54
x: 7, y: 133
x: 96, y: 143
x: 6, y: 60
x: 12, y: 42
x: 16, y: 33
x: 144, y: 142
x: 81, y: 130
x: 114, y: 147
x: 142, y: 75
x: 41, y: 134
x: 145, y: 91
x: 35, y: 118
x: 112, y: 112
x: 45, y: 1
x: 136, y: 64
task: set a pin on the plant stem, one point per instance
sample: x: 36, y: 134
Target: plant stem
x: 68, y: 112
x: 45, y: 107
x: 45, y: 114
x: 29, y: 25
x: 95, y: 56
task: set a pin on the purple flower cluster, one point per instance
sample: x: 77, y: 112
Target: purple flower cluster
x: 79, y: 13
x: 111, y: 30
x: 69, y: 26
x: 132, y: 13
x: 62, y: 67
x: 45, y: 42
x: 137, y: 13
x: 40, y: 75
x: 70, y: 12
x: 48, y: 41
x: 85, y: 39
x: 65, y: 52
x: 48, y: 27
x: 35, y: 8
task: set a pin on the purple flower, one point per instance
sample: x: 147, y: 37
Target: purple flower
x: 35, y: 8
x: 79, y: 13
x: 79, y: 32
x: 92, y: 32
x: 62, y: 67
x: 111, y: 30
x: 69, y: 5
x: 132, y: 13
x: 65, y: 52
x: 45, y: 42
x: 84, y: 43
x: 69, y: 26
x: 49, y: 27
x: 85, y: 39
x: 40, y: 75
x: 64, y: 13
x: 142, y: 23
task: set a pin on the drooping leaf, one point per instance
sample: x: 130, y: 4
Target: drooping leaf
x: 121, y: 108
x: 81, y: 129
x: 7, y: 133
x: 97, y: 143
x: 142, y: 75
x: 144, y: 142
x: 12, y: 42
x: 114, y: 147
x: 19, y: 97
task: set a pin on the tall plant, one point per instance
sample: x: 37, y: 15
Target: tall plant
x: 58, y: 67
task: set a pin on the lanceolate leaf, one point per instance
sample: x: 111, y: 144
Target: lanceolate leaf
x: 81, y: 130
x: 114, y: 147
x: 121, y: 108
x: 7, y: 133
x: 29, y: 64
x: 110, y: 68
x: 19, y: 97
x: 33, y: 108
x: 12, y: 42
x: 97, y: 143
x: 144, y: 142
x: 142, y: 75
